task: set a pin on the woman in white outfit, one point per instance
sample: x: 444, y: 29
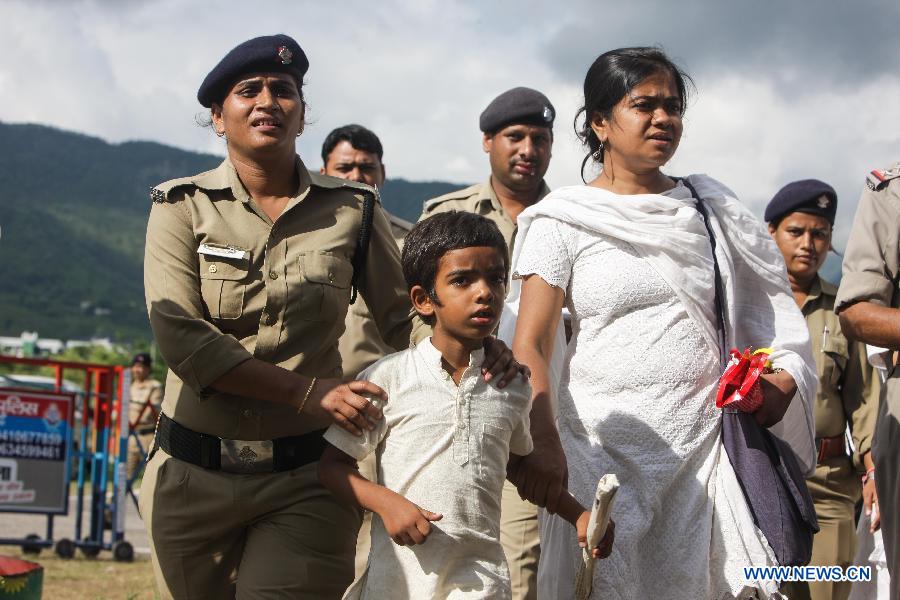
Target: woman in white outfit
x: 629, y: 256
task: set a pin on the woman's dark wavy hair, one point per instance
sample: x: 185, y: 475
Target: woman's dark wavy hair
x: 612, y: 76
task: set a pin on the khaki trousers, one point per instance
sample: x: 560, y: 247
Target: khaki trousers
x: 835, y: 488
x: 219, y: 535
x: 886, y: 454
x: 521, y: 542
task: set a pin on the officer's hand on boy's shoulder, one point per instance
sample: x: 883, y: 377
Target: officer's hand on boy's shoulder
x: 345, y: 404
x: 499, y: 362
x: 407, y: 523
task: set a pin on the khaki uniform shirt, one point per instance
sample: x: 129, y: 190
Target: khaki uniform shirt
x: 481, y: 200
x: 361, y: 345
x: 848, y: 388
x: 142, y: 392
x: 872, y: 260
x: 224, y: 284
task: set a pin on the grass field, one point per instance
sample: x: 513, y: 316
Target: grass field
x: 99, y: 578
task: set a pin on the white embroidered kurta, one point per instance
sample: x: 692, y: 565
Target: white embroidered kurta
x: 637, y: 398
x: 445, y: 448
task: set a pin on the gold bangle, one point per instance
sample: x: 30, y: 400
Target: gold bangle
x: 309, y: 390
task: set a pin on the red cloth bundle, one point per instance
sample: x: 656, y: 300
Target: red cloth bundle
x: 739, y: 386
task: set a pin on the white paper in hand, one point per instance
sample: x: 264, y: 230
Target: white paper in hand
x: 600, y: 511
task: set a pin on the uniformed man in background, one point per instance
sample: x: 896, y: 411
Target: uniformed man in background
x: 801, y: 217
x: 355, y: 153
x: 517, y: 128
x: 143, y: 408
x: 868, y: 303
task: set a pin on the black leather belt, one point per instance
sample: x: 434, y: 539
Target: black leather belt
x: 238, y: 456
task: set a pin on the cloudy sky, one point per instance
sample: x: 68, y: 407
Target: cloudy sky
x: 786, y: 89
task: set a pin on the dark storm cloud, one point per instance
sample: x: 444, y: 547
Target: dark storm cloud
x: 799, y: 45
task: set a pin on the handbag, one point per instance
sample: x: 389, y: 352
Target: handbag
x: 765, y: 466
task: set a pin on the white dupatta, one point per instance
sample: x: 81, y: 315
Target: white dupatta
x: 760, y: 310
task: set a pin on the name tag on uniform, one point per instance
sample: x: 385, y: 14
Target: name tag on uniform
x: 223, y: 251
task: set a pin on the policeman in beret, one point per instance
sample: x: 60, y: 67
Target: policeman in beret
x: 801, y: 217
x: 354, y: 152
x: 248, y: 273
x: 517, y: 128
x: 145, y: 399
x: 868, y: 304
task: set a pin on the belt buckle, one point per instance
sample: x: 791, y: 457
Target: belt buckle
x: 247, y: 456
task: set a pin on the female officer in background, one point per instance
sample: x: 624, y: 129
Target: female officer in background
x: 801, y: 217
x: 249, y: 269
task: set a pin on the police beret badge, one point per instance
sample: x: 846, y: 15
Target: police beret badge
x: 285, y: 54
x: 807, y: 196
x: 278, y: 53
x: 519, y: 105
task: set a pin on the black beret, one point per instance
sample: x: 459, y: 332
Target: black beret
x: 269, y: 53
x: 804, y: 196
x: 519, y: 105
x: 142, y: 359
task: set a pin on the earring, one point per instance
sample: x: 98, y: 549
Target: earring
x: 220, y: 134
x: 598, y: 153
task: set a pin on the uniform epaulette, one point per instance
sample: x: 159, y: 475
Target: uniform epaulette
x: 454, y: 195
x: 879, y: 178
x: 162, y: 192
x: 334, y: 183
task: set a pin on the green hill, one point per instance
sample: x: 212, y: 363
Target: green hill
x: 73, y: 211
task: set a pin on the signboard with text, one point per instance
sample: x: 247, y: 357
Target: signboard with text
x: 35, y: 438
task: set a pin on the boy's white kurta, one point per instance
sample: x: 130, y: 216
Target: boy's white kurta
x: 445, y: 448
x: 638, y: 380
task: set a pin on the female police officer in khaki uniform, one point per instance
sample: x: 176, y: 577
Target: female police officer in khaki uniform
x: 249, y: 270
x: 800, y: 217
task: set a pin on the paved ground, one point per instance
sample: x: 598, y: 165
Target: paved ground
x: 14, y: 525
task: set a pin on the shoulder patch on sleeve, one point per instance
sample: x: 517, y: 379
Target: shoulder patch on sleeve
x: 879, y: 178
x: 163, y: 192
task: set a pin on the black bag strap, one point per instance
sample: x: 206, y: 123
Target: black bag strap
x: 720, y: 289
x: 361, y: 252
x: 788, y: 518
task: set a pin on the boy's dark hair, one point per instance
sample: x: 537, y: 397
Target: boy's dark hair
x: 358, y: 136
x: 435, y: 236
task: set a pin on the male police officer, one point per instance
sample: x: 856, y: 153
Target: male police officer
x: 868, y: 303
x: 143, y: 409
x: 800, y: 217
x: 355, y: 153
x: 518, y: 135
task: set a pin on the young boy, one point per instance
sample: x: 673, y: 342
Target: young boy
x: 447, y: 435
